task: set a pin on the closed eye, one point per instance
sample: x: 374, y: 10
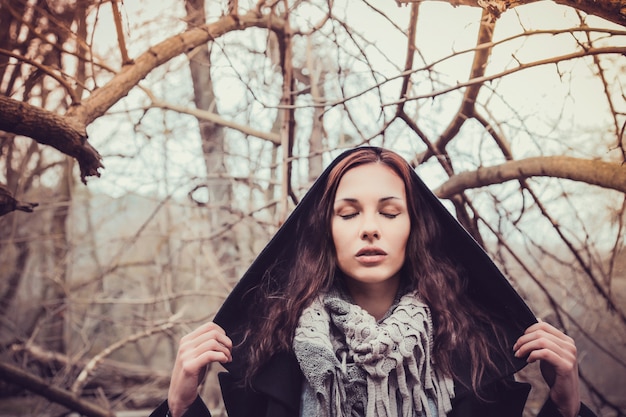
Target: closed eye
x: 390, y: 215
x: 348, y: 216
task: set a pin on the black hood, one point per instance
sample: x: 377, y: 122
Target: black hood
x: 485, y: 282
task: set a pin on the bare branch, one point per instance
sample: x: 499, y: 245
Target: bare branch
x: 410, y: 54
x: 468, y: 104
x: 46, y: 70
x: 552, y: 60
x: 103, y: 98
x: 50, y: 129
x: 14, y: 375
x: 81, y: 379
x: 117, y: 18
x: 217, y: 119
x: 601, y: 173
x: 287, y: 129
x: 611, y: 10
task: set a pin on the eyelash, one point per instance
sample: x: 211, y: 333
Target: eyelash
x: 353, y: 215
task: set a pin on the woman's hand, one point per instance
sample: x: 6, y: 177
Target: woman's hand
x: 558, y: 361
x: 203, y: 346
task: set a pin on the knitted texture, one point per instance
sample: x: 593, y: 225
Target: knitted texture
x: 360, y: 367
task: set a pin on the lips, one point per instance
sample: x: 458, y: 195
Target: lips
x: 371, y: 251
x: 371, y: 255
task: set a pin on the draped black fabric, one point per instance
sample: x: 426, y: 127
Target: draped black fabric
x: 488, y: 287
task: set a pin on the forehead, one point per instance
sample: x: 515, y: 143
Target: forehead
x: 374, y: 179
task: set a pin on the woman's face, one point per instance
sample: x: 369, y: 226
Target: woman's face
x: 371, y: 225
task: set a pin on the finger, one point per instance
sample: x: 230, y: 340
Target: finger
x: 196, y: 365
x: 206, y: 328
x: 193, y: 363
x: 540, y: 337
x: 554, y: 362
x: 542, y: 329
x: 205, y: 345
x: 547, y: 349
x: 218, y: 345
x: 202, y: 334
x: 546, y: 327
x: 565, y: 350
x: 203, y: 338
x: 561, y: 366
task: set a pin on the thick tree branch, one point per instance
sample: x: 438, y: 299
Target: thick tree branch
x: 601, y: 173
x: 68, y: 133
x: 114, y: 377
x: 468, y: 104
x: 50, y: 129
x: 611, y: 10
x: 129, y: 77
x: 14, y: 375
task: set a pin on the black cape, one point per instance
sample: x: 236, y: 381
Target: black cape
x: 485, y: 282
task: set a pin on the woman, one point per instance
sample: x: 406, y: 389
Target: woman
x: 371, y: 300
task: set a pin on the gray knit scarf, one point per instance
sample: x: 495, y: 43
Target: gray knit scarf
x: 356, y: 366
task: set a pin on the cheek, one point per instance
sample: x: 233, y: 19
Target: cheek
x: 342, y: 242
x: 403, y: 236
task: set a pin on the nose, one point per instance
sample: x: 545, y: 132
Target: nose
x: 369, y: 228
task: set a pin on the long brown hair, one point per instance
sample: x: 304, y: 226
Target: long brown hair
x: 310, y: 267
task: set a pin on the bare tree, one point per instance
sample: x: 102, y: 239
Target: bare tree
x: 212, y: 120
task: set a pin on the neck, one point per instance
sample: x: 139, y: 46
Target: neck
x: 377, y: 298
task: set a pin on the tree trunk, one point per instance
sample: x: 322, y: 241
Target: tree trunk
x: 54, y: 309
x: 212, y: 134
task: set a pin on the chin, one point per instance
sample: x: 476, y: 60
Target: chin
x: 373, y: 280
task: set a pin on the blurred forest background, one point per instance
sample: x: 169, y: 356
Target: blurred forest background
x: 149, y: 150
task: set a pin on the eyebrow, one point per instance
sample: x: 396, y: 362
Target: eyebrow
x: 381, y: 200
